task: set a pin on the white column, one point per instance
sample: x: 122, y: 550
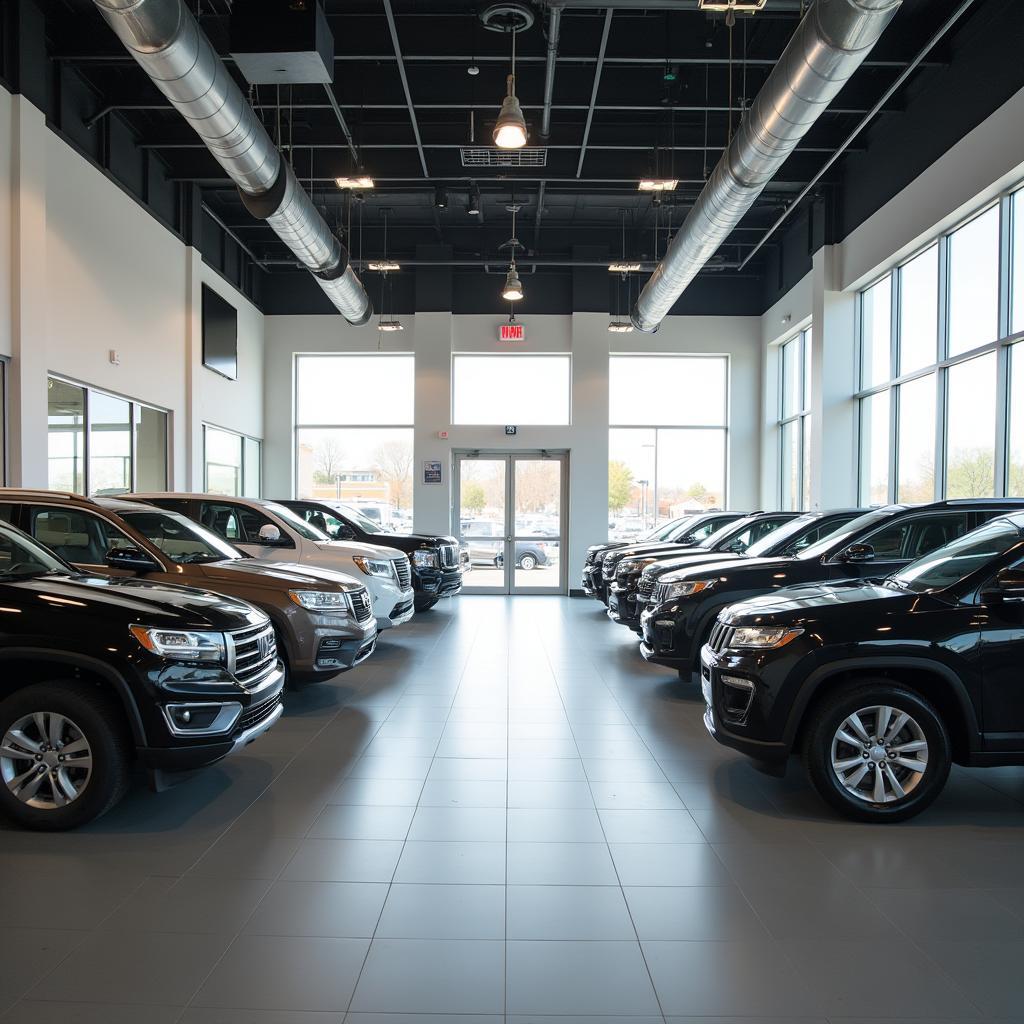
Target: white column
x: 833, y: 381
x: 30, y: 295
x: 432, y: 338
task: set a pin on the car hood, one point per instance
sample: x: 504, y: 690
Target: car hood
x: 149, y: 604
x: 350, y: 547
x: 282, y: 575
x: 654, y: 548
x: 662, y: 566
x: 428, y: 539
x: 812, y: 602
x: 736, y: 565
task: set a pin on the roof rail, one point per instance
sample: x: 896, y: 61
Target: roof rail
x: 46, y: 492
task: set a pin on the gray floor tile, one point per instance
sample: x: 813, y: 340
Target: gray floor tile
x: 458, y: 825
x: 378, y: 792
x: 189, y: 904
x: 360, y: 821
x: 292, y: 973
x: 827, y: 912
x: 622, y: 795
x: 469, y: 769
x: 133, y: 967
x: 391, y: 768
x: 565, y: 794
x: 619, y: 770
x: 29, y: 898
x: 464, y: 792
x: 432, y: 976
x: 37, y: 1012
x: 692, y: 912
x: 546, y: 769
x: 650, y: 826
x: 424, y: 1018
x: 779, y: 864
x: 668, y: 864
x: 560, y: 864
x: 320, y: 909
x: 443, y: 912
x: 242, y: 856
x: 29, y: 955
x: 578, y: 978
x: 343, y: 860
x: 452, y: 863
x: 926, y: 914
x: 568, y: 912
x: 560, y: 825
x: 988, y: 972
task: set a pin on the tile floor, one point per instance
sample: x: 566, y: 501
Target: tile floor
x: 506, y: 816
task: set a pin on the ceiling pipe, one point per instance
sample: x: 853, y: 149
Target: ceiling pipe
x: 554, y: 25
x: 168, y: 44
x: 826, y: 49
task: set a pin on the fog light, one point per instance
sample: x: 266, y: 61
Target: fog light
x: 737, y: 696
x: 204, y: 719
x: 664, y: 623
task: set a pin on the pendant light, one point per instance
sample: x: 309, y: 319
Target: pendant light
x: 387, y: 323
x: 621, y: 324
x: 510, y: 128
x: 513, y: 288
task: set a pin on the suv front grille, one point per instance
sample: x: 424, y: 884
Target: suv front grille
x: 258, y: 712
x: 645, y: 587
x: 361, y: 605
x: 254, y: 653
x: 448, y: 556
x: 721, y: 637
x: 404, y: 572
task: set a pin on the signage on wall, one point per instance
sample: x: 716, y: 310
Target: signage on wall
x: 432, y: 471
x: 511, y: 332
x: 511, y: 431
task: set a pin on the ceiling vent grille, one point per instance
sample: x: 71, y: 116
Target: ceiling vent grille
x: 482, y: 156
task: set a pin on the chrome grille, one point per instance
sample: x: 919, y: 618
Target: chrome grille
x: 256, y: 714
x: 721, y: 637
x: 253, y: 653
x: 645, y: 587
x: 361, y: 604
x: 448, y: 556
x: 404, y: 572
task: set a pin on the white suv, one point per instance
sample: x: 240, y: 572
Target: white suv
x: 274, y: 533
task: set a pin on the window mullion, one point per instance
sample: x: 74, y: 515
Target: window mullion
x: 1005, y: 264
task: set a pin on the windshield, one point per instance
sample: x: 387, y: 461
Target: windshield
x: 950, y: 564
x: 181, y: 540
x: 365, y: 523
x: 296, y: 522
x: 854, y: 528
x: 668, y: 530
x: 776, y: 540
x: 720, y: 540
x: 21, y: 558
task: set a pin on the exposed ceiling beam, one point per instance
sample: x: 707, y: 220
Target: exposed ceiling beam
x: 554, y: 21
x: 419, y: 145
x: 405, y: 84
x: 597, y: 85
x: 332, y: 102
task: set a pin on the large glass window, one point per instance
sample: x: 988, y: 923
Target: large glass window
x: 794, y: 422
x: 944, y: 403
x: 359, y: 452
x: 511, y: 388
x: 876, y: 333
x: 231, y: 463
x: 3, y: 421
x: 667, y: 453
x: 974, y: 283
x: 100, y: 444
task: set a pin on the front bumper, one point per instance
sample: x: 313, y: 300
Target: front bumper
x: 433, y: 584
x: 261, y: 708
x: 333, y: 646
x: 401, y: 611
x: 622, y: 606
x: 658, y: 632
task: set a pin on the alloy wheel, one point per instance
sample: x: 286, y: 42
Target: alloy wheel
x: 879, y: 754
x: 45, y: 760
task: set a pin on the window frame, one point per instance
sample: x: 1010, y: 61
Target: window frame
x: 1010, y: 204
x: 5, y: 372
x: 243, y: 438
x: 799, y: 418
x: 134, y: 405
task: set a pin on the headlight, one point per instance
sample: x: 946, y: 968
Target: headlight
x: 686, y: 589
x: 181, y: 644
x: 425, y: 559
x: 763, y: 637
x: 373, y: 566
x: 321, y: 601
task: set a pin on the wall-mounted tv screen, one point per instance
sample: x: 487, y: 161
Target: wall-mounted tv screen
x: 220, y: 334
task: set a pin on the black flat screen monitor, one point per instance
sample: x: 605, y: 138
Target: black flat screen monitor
x: 220, y: 335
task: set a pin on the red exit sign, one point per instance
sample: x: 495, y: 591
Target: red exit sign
x: 511, y: 332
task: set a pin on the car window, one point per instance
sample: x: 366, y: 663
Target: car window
x: 915, y: 536
x: 183, y: 541
x: 75, y: 535
x: 222, y: 520
x: 7, y: 513
x: 812, y: 536
x: 294, y: 521
x: 21, y: 557
x: 365, y: 524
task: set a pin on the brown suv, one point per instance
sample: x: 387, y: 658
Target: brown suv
x: 323, y: 619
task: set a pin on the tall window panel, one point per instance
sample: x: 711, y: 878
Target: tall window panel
x: 794, y: 422
x: 360, y: 451
x: 511, y: 387
x: 102, y: 444
x: 954, y: 396
x: 667, y: 455
x: 3, y: 421
x: 876, y: 333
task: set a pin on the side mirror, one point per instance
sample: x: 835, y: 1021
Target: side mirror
x: 269, y: 534
x: 130, y: 560
x: 344, y: 532
x: 858, y: 553
x: 1008, y: 585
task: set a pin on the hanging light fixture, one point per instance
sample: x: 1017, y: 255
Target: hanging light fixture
x: 513, y: 288
x: 510, y: 128
x: 387, y: 322
x: 618, y: 324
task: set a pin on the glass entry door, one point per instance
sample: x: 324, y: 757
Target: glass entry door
x: 511, y: 520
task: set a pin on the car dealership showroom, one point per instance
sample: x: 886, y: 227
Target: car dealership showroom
x: 511, y: 511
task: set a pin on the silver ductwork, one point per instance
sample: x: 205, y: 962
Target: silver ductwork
x: 827, y: 47
x: 168, y: 44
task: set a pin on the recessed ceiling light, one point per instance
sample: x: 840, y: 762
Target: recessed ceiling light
x: 620, y: 327
x: 658, y: 185
x: 382, y: 265
x: 623, y: 268
x: 363, y: 181
x: 390, y: 325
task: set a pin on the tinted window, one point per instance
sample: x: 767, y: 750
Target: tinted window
x: 845, y: 535
x: 78, y: 537
x: 20, y: 557
x: 181, y: 540
x: 917, y: 535
x: 952, y: 562
x: 7, y: 513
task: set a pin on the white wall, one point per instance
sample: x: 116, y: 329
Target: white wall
x: 433, y: 337
x: 84, y: 270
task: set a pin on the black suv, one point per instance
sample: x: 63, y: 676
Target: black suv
x: 685, y: 603
x: 729, y: 542
x: 436, y: 562
x: 97, y: 671
x: 689, y: 535
x: 884, y: 684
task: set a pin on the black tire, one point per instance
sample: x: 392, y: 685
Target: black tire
x: 102, y: 723
x: 823, y: 723
x: 528, y: 560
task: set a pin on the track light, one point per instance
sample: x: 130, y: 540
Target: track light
x: 513, y: 290
x: 387, y: 326
x: 620, y: 327
x: 440, y: 197
x: 382, y: 265
x: 725, y: 6
x: 623, y: 268
x: 361, y: 182
x: 657, y: 185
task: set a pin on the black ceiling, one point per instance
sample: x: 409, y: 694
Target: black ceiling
x: 662, y: 108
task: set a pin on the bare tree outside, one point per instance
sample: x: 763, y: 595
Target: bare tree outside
x: 393, y: 461
x: 328, y: 460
